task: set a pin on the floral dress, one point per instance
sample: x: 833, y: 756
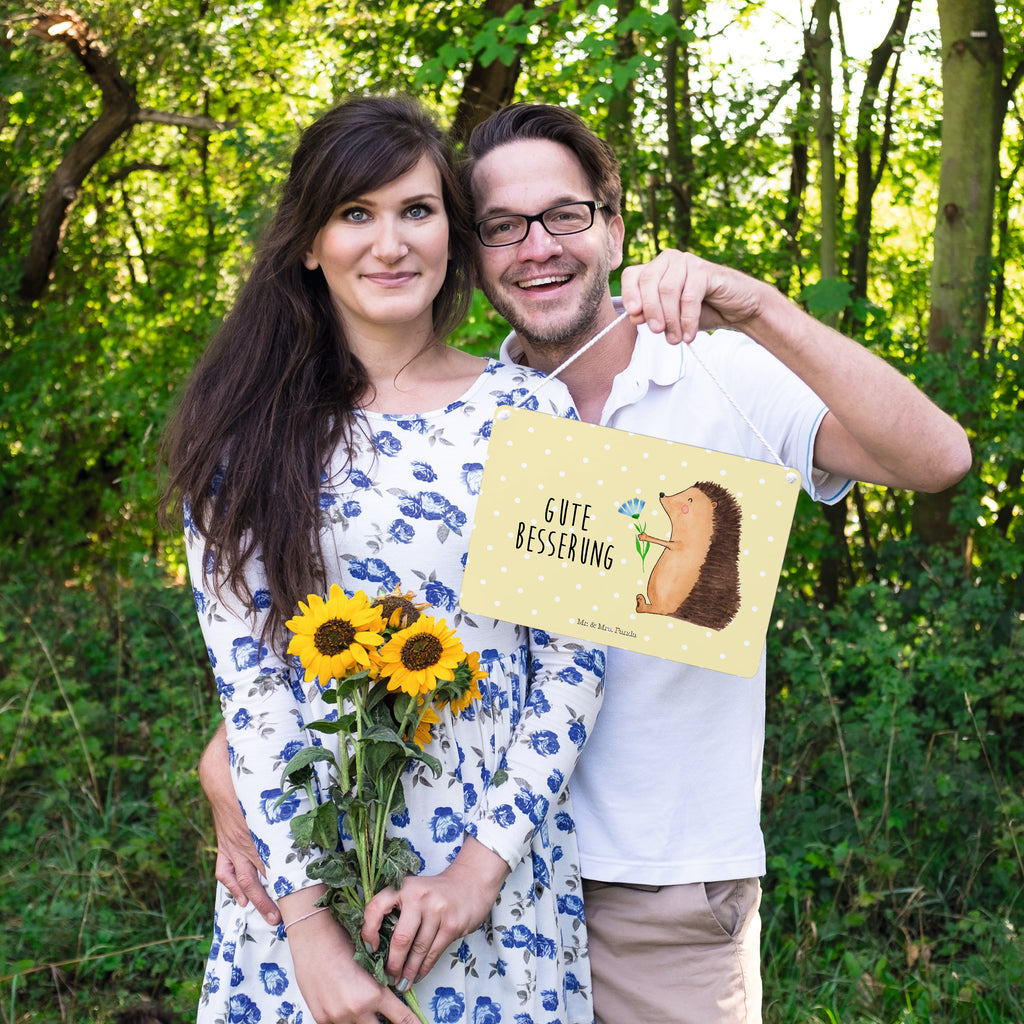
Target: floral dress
x: 401, y: 516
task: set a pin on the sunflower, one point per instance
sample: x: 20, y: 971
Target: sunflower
x: 472, y: 692
x: 423, y: 734
x: 417, y: 657
x: 332, y: 637
x: 399, y: 609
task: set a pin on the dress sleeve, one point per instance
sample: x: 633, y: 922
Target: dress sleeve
x: 263, y: 706
x: 565, y: 690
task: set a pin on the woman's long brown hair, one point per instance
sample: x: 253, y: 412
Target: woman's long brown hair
x: 273, y: 396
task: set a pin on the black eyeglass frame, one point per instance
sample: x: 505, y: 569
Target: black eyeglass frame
x: 591, y: 204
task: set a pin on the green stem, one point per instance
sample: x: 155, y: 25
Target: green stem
x: 414, y: 1004
x: 360, y: 834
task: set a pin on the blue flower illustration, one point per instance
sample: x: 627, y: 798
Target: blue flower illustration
x: 446, y: 825
x: 472, y: 475
x: 242, y: 1010
x: 487, y: 1011
x: 448, y: 1005
x: 633, y: 508
x: 274, y: 978
x: 387, y: 444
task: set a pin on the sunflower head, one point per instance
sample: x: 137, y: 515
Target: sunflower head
x: 428, y: 717
x: 462, y: 690
x: 335, y: 636
x: 399, y: 609
x: 415, y: 659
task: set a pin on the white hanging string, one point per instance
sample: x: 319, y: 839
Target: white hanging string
x: 693, y: 352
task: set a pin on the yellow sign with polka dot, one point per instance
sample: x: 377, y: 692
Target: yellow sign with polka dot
x: 631, y: 541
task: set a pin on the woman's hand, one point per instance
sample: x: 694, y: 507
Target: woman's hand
x: 238, y: 864
x: 336, y: 989
x: 435, y: 910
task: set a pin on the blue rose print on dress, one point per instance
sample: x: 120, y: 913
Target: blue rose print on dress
x: 572, y: 905
x: 446, y: 825
x: 357, y: 478
x: 448, y: 1006
x: 282, y: 887
x: 564, y: 822
x: 242, y: 1010
x: 578, y: 734
x: 505, y: 816
x: 472, y: 476
x: 571, y: 675
x: 519, y: 937
x: 484, y: 432
x: 538, y: 702
x: 590, y: 661
x: 415, y: 425
x: 487, y: 1011
x: 274, y: 811
x: 424, y: 472
x: 374, y: 570
x: 549, y: 999
x: 241, y: 718
x: 351, y: 509
x: 533, y: 805
x: 387, y: 444
x: 545, y: 742
x: 274, y: 978
x: 555, y: 781
x: 246, y: 652
x: 440, y: 596
x: 289, y: 750
x: 199, y: 598
x: 327, y: 501
x: 401, y: 531
x: 541, y: 875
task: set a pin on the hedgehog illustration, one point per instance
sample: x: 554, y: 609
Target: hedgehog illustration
x: 696, y: 578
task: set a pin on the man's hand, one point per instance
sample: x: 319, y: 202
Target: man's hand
x: 435, y: 910
x: 238, y: 864
x: 678, y: 293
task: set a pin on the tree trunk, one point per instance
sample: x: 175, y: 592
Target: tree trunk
x: 117, y: 115
x: 869, y: 170
x: 487, y: 89
x: 819, y: 55
x: 973, y: 105
x: 679, y: 132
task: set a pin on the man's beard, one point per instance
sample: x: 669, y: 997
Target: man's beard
x: 569, y: 335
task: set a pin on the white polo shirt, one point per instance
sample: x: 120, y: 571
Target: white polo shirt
x: 668, y: 789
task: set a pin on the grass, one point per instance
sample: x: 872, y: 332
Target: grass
x: 893, y: 809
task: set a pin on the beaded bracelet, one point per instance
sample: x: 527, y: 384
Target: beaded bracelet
x: 312, y: 913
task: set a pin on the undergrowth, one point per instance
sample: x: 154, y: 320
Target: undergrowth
x: 893, y: 798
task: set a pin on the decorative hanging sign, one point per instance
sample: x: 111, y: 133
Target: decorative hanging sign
x: 631, y: 541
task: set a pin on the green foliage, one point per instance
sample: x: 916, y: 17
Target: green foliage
x: 893, y: 783
x: 893, y: 800
x: 107, y: 866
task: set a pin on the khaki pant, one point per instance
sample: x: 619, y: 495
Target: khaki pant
x: 675, y: 954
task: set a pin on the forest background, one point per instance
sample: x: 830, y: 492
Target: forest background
x: 866, y: 158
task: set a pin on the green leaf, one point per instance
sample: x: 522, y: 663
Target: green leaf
x: 299, y: 769
x: 325, y: 826
x: 303, y: 826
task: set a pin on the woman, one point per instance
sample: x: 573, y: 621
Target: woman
x: 329, y: 435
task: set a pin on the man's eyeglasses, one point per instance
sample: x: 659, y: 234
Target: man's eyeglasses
x: 564, y: 219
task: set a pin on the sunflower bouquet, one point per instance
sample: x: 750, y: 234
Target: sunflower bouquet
x: 389, y: 669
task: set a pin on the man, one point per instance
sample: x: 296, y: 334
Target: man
x: 667, y: 792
